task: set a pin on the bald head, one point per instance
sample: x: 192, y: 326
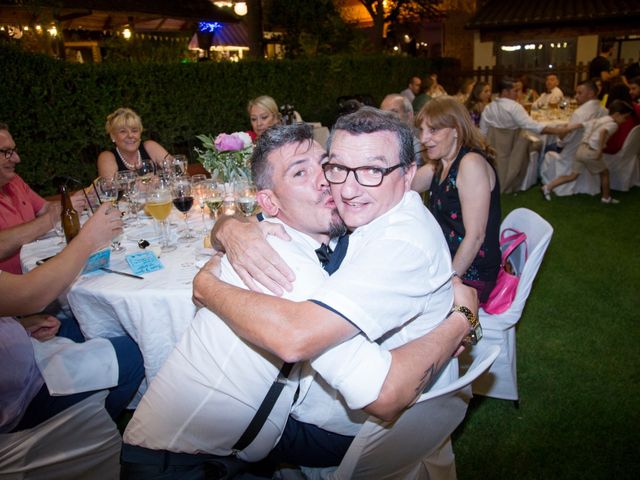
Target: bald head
x: 399, y: 106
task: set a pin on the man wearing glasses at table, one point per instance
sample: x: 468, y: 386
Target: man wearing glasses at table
x: 297, y: 177
x: 24, y: 215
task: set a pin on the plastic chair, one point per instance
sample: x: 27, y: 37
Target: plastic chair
x: 624, y: 166
x: 501, y: 379
x: 80, y: 443
x: 405, y: 449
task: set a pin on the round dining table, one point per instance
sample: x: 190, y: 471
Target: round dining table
x: 154, y: 310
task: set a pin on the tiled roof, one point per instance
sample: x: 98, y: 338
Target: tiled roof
x: 499, y: 14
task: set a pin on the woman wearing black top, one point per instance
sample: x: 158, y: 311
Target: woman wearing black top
x: 464, y: 191
x: 124, y: 126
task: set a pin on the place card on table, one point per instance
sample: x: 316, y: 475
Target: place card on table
x: 144, y: 262
x: 97, y: 260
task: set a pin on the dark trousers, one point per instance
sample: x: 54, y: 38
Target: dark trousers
x: 130, y: 374
x: 140, y: 463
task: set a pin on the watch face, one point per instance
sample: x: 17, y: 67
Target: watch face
x: 478, y: 332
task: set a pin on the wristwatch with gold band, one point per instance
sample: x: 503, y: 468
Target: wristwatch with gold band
x: 476, y: 329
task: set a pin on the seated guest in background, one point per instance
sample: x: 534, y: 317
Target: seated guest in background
x: 435, y: 89
x: 505, y: 112
x: 412, y: 89
x: 478, y: 99
x: 464, y: 191
x: 25, y: 400
x: 622, y: 92
x: 634, y: 89
x: 402, y: 109
x: 527, y: 94
x: 24, y: 215
x: 263, y: 113
x: 465, y: 90
x: 162, y: 422
x: 553, y: 94
x: 423, y: 96
x: 124, y: 126
x: 596, y: 133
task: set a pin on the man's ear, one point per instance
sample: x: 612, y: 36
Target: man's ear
x: 408, y: 176
x: 268, y: 202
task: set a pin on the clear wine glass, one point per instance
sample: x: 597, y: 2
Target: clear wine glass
x: 245, y: 194
x: 199, y: 189
x: 107, y: 189
x: 215, y: 198
x: 179, y: 165
x: 146, y: 171
x: 159, y: 206
x: 183, y: 201
x: 126, y: 180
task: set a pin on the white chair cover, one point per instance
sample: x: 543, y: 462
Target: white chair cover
x: 556, y: 164
x: 82, y: 442
x: 624, y: 166
x: 501, y: 380
x: 531, y: 176
x: 405, y: 449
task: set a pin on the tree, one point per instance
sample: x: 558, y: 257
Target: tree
x: 308, y: 26
x: 392, y: 12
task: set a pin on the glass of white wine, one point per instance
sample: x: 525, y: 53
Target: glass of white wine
x: 214, y: 198
x: 159, y: 206
x: 107, y: 189
x: 146, y: 171
x: 245, y: 194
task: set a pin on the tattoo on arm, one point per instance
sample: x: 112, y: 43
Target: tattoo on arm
x: 426, y: 379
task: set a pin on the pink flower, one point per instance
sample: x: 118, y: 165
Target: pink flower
x: 454, y: 216
x: 225, y: 142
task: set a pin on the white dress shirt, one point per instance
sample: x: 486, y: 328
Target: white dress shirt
x: 554, y: 96
x: 394, y: 285
x: 507, y: 113
x: 589, y: 110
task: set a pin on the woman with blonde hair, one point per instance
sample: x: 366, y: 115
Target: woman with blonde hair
x: 263, y: 113
x: 464, y: 191
x: 124, y: 126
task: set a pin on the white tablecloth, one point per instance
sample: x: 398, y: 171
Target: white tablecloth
x: 154, y: 311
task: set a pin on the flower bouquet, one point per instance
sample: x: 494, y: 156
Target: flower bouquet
x: 227, y: 156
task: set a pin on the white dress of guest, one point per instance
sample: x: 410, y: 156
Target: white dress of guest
x: 543, y: 101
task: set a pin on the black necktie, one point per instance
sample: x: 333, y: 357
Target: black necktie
x: 324, y: 254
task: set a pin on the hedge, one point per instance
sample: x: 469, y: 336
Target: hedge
x: 56, y: 111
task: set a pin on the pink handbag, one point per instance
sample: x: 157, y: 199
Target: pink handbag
x: 502, y: 295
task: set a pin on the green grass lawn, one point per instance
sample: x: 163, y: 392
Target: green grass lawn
x: 578, y: 344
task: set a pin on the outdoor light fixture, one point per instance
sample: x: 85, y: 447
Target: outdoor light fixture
x: 53, y: 31
x: 240, y: 8
x: 126, y: 33
x: 510, y: 48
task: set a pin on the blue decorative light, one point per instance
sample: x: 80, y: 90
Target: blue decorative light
x: 209, y: 26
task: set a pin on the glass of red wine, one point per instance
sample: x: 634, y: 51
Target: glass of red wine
x: 183, y: 201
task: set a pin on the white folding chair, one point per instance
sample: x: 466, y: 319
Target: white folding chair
x: 624, y: 166
x: 501, y: 379
x: 80, y: 443
x: 405, y: 449
x: 555, y: 164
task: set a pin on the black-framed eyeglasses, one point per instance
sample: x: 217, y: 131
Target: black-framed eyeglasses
x: 367, y: 176
x: 7, y: 152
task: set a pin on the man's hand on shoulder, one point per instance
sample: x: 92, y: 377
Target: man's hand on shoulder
x: 252, y: 257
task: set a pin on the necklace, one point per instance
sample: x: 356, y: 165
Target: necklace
x: 127, y: 164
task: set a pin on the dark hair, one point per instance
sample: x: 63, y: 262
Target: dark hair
x: 272, y: 139
x: 4, y: 126
x: 606, y: 47
x: 506, y: 83
x: 620, y: 106
x: 474, y: 97
x: 635, y: 80
x: 371, y: 120
x: 590, y: 84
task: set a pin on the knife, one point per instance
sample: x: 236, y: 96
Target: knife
x: 122, y: 273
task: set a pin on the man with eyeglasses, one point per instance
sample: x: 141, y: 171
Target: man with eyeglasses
x: 393, y: 287
x: 24, y: 215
